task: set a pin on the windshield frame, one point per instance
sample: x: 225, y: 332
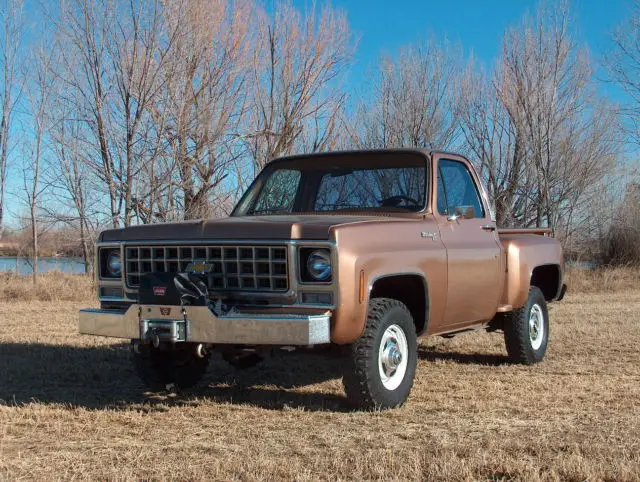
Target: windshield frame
x: 358, y: 159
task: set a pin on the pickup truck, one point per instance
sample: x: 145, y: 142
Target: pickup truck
x: 365, y: 249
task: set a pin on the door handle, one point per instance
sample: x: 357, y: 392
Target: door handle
x: 488, y: 227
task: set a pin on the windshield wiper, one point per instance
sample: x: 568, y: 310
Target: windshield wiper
x: 269, y: 211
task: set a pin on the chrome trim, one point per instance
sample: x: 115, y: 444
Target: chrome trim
x: 219, y: 241
x: 108, y: 323
x: 203, y: 326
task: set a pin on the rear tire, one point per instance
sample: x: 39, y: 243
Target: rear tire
x: 526, y: 330
x: 381, y: 364
x: 173, y: 365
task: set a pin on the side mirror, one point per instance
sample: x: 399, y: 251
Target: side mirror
x: 465, y: 212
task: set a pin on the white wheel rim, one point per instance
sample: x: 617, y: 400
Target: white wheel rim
x: 536, y: 326
x: 393, y: 355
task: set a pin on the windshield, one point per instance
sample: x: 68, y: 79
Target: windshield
x: 388, y: 182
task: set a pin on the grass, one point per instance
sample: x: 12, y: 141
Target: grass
x: 51, y: 286
x: 71, y: 407
x: 602, y: 279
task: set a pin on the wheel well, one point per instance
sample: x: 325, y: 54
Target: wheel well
x: 410, y: 289
x: 547, y: 278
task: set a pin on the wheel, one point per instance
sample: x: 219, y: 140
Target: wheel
x: 526, y: 330
x: 171, y: 364
x: 381, y: 364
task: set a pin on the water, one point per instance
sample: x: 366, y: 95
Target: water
x: 589, y: 265
x: 66, y: 265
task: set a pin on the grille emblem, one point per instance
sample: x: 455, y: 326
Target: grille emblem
x: 199, y: 267
x: 159, y: 290
x: 165, y: 311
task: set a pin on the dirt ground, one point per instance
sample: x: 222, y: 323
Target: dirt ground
x: 72, y: 407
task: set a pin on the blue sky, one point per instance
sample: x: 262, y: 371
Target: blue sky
x: 384, y: 25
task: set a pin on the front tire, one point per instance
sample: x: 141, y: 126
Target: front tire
x: 171, y: 365
x: 526, y: 330
x: 381, y: 364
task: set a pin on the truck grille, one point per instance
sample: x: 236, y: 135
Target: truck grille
x: 248, y: 268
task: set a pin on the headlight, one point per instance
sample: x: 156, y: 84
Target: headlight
x: 319, y: 265
x: 114, y: 264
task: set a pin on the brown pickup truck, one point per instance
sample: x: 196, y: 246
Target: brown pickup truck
x: 367, y: 249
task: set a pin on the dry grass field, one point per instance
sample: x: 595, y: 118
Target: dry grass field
x: 71, y: 406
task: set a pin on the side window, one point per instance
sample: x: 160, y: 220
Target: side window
x: 278, y: 193
x: 457, y: 192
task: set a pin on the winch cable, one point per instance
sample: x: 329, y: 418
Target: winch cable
x: 191, y: 289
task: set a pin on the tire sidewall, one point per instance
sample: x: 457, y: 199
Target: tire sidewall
x: 392, y: 398
x: 537, y: 298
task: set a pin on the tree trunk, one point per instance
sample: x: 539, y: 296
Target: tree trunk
x: 34, y: 246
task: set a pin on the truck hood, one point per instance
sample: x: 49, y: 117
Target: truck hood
x: 311, y: 227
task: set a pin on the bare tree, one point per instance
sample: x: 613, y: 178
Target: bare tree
x: 205, y: 95
x: 491, y: 139
x: 83, y: 29
x: 542, y: 137
x: 412, y: 100
x: 11, y: 81
x: 39, y: 92
x: 120, y: 50
x: 168, y: 96
x: 623, y: 63
x: 139, y: 47
x: 296, y: 73
x: 70, y: 178
x: 549, y: 92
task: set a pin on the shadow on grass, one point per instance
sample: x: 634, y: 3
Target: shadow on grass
x: 462, y: 358
x: 103, y: 377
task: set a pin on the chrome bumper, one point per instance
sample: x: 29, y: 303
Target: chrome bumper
x: 200, y: 325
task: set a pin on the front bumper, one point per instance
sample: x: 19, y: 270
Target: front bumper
x: 201, y: 325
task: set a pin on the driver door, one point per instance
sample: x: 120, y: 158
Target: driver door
x: 470, y: 239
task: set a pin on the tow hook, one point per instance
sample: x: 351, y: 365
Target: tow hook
x: 201, y: 350
x: 136, y: 347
